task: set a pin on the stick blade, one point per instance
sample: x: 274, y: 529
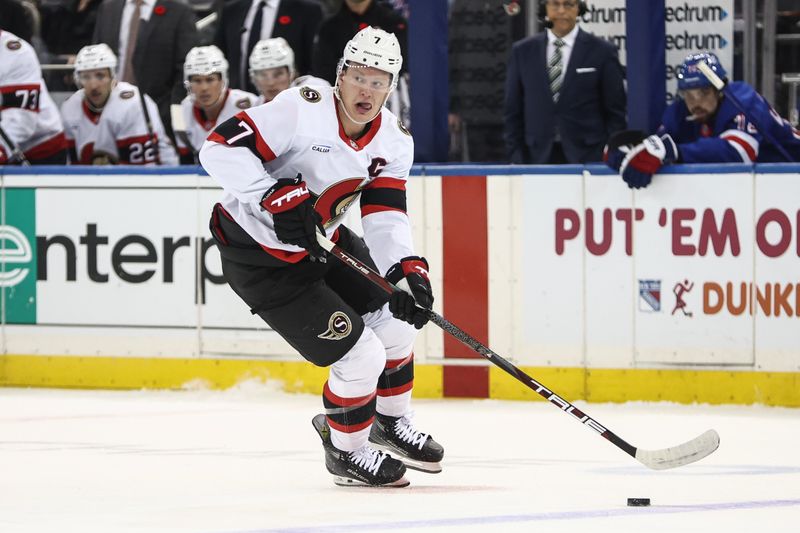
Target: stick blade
x: 680, y: 455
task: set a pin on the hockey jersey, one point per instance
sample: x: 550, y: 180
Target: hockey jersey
x: 80, y: 128
x: 122, y: 130
x: 29, y: 116
x: 302, y: 81
x: 198, y: 126
x: 732, y: 137
x: 299, y: 132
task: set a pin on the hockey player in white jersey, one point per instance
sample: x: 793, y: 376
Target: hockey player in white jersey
x: 107, y: 121
x: 31, y: 125
x: 209, y: 100
x: 290, y: 168
x: 272, y: 69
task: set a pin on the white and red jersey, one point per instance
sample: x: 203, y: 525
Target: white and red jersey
x: 198, y: 126
x: 299, y: 132
x: 302, y: 81
x: 28, y: 114
x: 80, y: 128
x: 122, y: 131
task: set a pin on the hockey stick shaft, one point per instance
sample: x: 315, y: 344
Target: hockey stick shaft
x: 16, y: 153
x: 722, y: 85
x: 484, y: 351
x: 680, y: 455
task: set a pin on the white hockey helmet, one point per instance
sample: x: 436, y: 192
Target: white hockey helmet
x: 373, y: 47
x: 272, y: 53
x: 95, y: 56
x: 205, y: 60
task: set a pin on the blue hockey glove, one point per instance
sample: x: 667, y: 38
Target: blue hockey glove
x: 646, y: 158
x: 619, y: 144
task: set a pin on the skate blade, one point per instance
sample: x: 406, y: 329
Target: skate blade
x: 413, y: 464
x: 350, y: 482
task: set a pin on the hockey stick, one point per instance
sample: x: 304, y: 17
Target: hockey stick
x: 179, y: 128
x: 680, y: 455
x: 16, y: 154
x: 722, y: 85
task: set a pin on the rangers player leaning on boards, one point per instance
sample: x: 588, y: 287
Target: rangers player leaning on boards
x: 290, y: 168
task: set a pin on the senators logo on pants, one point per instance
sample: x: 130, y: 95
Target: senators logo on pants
x: 339, y: 327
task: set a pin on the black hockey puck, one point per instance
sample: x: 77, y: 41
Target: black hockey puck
x: 638, y: 502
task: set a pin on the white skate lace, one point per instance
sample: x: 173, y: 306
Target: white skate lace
x: 404, y: 427
x: 367, y: 458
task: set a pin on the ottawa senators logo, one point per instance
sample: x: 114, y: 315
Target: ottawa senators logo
x: 339, y: 327
x: 244, y: 103
x: 13, y: 45
x: 403, y: 127
x: 310, y: 95
x: 125, y: 95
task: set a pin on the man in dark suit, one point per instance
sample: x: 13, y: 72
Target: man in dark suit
x: 245, y: 22
x: 165, y: 34
x: 564, y: 91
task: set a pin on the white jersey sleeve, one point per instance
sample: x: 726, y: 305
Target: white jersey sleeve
x: 387, y: 230
x: 20, y: 84
x: 236, y: 151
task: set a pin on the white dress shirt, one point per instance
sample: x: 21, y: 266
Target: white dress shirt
x: 566, y: 50
x: 124, y: 28
x: 267, y: 23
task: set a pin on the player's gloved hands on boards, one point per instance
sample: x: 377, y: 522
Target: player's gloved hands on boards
x: 410, y: 275
x: 619, y: 144
x: 295, y: 220
x: 646, y: 158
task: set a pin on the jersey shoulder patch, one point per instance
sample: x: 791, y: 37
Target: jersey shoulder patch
x: 126, y: 95
x: 13, y: 45
x: 310, y: 95
x: 244, y: 103
x: 403, y: 127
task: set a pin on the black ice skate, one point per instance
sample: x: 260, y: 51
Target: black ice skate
x: 365, y: 466
x: 416, y: 449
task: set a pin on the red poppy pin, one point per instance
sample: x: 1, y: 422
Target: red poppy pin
x: 362, y: 25
x: 284, y: 20
x: 159, y: 10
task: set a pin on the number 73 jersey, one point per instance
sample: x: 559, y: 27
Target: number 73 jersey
x: 28, y: 114
x: 299, y: 132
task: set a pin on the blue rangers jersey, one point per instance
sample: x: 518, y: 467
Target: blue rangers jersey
x: 731, y: 137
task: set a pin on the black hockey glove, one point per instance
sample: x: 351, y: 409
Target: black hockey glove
x: 410, y: 275
x: 619, y: 144
x: 295, y: 220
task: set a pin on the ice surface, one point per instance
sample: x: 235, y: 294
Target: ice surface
x: 247, y: 460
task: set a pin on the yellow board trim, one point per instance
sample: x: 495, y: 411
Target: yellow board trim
x: 649, y: 385
x: 165, y: 373
x: 594, y: 385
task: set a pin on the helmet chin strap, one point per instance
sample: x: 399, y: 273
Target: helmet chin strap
x: 344, y: 107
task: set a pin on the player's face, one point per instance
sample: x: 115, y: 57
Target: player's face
x: 563, y: 14
x: 702, y: 102
x: 363, y: 91
x: 97, y: 85
x: 207, y: 89
x: 271, y: 81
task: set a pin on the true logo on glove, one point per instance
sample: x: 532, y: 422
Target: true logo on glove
x: 299, y: 192
x: 339, y: 327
